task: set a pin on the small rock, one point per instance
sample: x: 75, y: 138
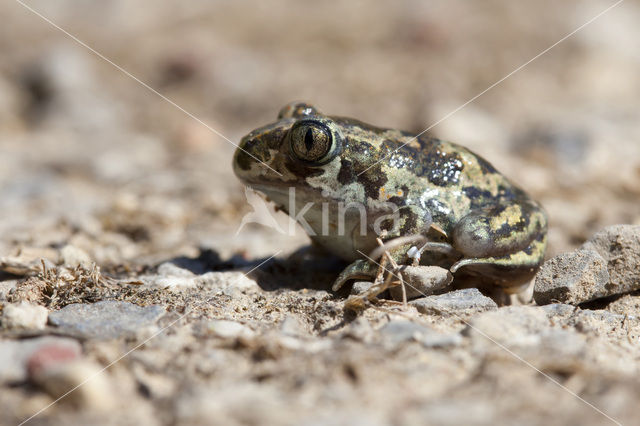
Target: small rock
x: 171, y: 277
x: 360, y: 287
x: 573, y: 278
x: 107, y: 319
x: 465, y: 301
x: 606, y: 265
x: 422, y: 281
x: 173, y: 283
x: 73, y: 257
x: 619, y: 246
x: 48, y: 356
x: 512, y: 325
x: 24, y: 315
x: 57, y: 371
x: 14, y: 354
x: 168, y: 269
x: 229, y: 329
x: 400, y: 331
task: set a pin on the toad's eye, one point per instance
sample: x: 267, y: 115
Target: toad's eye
x: 312, y: 142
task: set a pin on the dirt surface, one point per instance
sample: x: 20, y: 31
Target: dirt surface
x: 113, y: 198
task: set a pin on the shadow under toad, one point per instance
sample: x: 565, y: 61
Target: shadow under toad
x: 307, y: 268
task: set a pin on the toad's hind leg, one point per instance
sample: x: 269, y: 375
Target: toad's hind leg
x: 504, y: 245
x: 510, y: 271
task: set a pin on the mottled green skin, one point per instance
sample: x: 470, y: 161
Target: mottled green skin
x: 497, y: 231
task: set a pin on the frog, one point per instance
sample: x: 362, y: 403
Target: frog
x: 360, y: 186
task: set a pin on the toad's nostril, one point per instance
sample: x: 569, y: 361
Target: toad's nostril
x: 248, y: 144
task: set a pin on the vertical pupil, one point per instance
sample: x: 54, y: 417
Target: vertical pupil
x: 308, y: 139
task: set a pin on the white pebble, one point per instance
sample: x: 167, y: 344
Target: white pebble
x: 24, y: 315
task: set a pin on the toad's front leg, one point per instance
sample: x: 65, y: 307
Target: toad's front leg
x: 403, y: 254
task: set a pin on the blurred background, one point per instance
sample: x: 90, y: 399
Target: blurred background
x: 92, y: 158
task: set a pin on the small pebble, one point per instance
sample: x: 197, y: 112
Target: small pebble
x: 511, y: 325
x: 24, y: 315
x: 168, y: 269
x: 49, y: 356
x: 619, y: 246
x: 57, y: 374
x: 360, y: 287
x: 465, y: 301
x: 606, y: 265
x: 105, y: 320
x: 573, y: 278
x: 229, y: 329
x: 422, y: 281
x: 15, y: 354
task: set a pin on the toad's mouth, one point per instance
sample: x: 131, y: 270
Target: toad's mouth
x: 284, y: 195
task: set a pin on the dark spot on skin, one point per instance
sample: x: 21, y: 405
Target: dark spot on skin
x: 398, y: 201
x: 478, y: 197
x: 485, y: 166
x: 400, y: 159
x: 439, y: 167
x: 410, y: 221
x: 357, y: 148
x: 372, y: 180
x: 474, y: 192
x: 429, y: 143
x: 511, y: 193
x: 356, y: 157
x: 505, y: 192
x: 386, y: 225
x: 346, y: 175
x: 276, y: 138
x: 506, y: 231
x: 445, y: 171
x: 497, y: 210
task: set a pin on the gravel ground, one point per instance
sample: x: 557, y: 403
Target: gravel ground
x: 119, y: 214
